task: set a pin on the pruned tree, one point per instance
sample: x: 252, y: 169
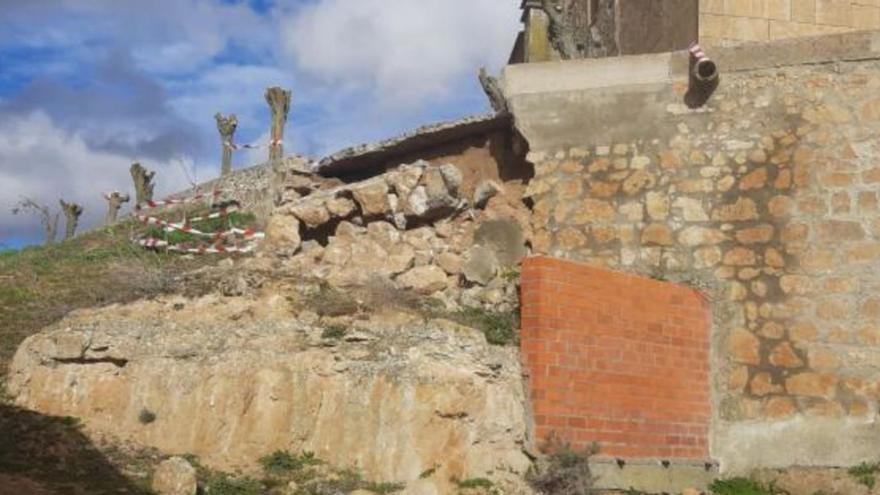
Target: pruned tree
x: 493, y: 90
x: 72, y: 211
x: 563, y: 33
x: 226, y: 126
x: 48, y: 220
x: 143, y: 183
x: 279, y: 102
x: 603, y: 31
x: 572, y: 41
x: 115, y: 200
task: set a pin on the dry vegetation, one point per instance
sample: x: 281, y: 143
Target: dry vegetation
x: 39, y: 285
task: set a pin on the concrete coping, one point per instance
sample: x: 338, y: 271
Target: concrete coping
x: 665, y: 68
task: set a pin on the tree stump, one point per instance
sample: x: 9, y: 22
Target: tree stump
x: 115, y: 200
x: 72, y: 212
x: 279, y: 102
x: 226, y: 126
x: 143, y: 183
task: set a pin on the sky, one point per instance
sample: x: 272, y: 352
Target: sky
x: 88, y: 87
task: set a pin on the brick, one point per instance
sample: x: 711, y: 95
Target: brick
x: 652, y: 364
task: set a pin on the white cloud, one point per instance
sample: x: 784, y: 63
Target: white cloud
x: 43, y: 162
x: 401, y: 51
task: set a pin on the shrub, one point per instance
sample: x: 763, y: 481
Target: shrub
x: 282, y: 461
x: 563, y: 471
x: 499, y: 328
x: 383, y: 487
x: 146, y: 416
x: 334, y: 332
x: 865, y: 473
x: 474, y: 483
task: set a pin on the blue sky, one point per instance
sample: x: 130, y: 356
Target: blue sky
x: 89, y: 86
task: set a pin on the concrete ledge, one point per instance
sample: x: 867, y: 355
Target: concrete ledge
x: 653, y: 477
x: 806, y: 442
x: 635, y: 70
x: 575, y: 75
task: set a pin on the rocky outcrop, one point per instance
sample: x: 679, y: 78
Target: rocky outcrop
x: 231, y: 379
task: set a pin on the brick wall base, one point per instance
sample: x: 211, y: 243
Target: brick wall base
x: 616, y: 359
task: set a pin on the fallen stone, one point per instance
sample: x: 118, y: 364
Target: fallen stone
x: 505, y: 238
x: 485, y: 191
x: 451, y: 263
x: 341, y: 207
x: 436, y: 194
x: 310, y: 212
x: 372, y: 196
x: 481, y: 265
x: 424, y: 279
x: 175, y: 476
x: 282, y: 233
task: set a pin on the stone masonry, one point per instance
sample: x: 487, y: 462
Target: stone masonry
x: 735, y: 21
x: 767, y: 201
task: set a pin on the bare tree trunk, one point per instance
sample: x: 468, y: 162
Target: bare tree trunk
x: 279, y: 101
x: 115, y: 200
x: 493, y: 91
x: 603, y: 32
x: 143, y: 183
x: 562, y: 31
x: 47, y: 219
x: 226, y: 126
x: 72, y: 211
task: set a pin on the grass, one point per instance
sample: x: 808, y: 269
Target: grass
x: 314, y: 477
x: 235, y: 219
x: 865, y: 473
x: 282, y: 461
x: 741, y: 486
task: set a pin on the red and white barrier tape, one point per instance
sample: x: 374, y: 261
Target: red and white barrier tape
x: 237, y: 147
x: 149, y: 205
x: 153, y: 243
x: 189, y: 229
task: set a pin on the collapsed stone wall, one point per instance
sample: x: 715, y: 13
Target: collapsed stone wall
x: 766, y: 200
x: 437, y: 230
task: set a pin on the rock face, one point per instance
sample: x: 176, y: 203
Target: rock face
x: 234, y: 379
x: 175, y: 476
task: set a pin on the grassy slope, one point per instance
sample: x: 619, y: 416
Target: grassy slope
x: 38, y: 286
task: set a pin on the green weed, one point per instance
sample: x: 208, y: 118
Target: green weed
x: 739, y: 486
x: 499, y: 328
x: 865, y: 473
x: 334, y: 332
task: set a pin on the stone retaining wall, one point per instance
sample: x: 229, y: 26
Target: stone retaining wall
x: 767, y: 200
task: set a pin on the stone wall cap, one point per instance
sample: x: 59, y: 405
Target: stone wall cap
x: 363, y: 157
x: 664, y: 68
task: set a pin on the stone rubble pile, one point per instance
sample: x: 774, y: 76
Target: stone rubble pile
x: 412, y: 226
